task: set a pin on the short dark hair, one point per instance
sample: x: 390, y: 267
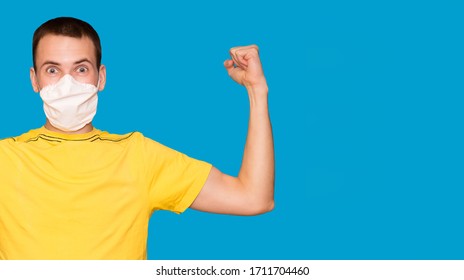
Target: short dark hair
x: 67, y: 26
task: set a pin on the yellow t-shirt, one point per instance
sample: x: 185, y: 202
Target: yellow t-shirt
x: 88, y: 196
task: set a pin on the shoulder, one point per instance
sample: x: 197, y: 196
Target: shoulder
x: 4, y: 141
x: 8, y: 143
x: 20, y: 138
x: 105, y: 136
x: 133, y: 139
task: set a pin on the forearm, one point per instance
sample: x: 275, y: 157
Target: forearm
x: 257, y: 170
x: 252, y: 191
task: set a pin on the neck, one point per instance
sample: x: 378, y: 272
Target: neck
x: 87, y: 128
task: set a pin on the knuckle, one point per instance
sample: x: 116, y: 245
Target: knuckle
x: 255, y: 48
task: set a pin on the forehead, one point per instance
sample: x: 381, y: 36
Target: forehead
x: 64, y: 50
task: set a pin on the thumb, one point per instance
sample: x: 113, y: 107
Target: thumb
x: 228, y: 63
x: 234, y: 72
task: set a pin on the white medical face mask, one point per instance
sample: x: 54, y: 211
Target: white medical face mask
x: 69, y: 105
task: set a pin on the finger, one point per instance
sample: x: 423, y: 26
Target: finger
x: 251, y: 52
x: 251, y: 56
x: 245, y: 48
x: 242, y: 56
x: 234, y: 58
x: 229, y: 65
x: 237, y: 60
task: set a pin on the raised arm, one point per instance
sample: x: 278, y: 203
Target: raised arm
x: 252, y: 191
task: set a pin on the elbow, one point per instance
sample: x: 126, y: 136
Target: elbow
x: 269, y: 207
x: 259, y: 199
x: 261, y: 208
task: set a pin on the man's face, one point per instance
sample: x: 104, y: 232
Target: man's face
x: 58, y: 55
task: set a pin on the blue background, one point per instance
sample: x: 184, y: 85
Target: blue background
x: 366, y: 104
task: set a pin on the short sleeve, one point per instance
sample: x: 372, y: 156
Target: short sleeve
x: 174, y: 179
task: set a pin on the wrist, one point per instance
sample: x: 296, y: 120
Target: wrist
x: 258, y: 97
x: 257, y: 89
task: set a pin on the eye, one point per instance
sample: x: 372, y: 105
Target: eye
x: 52, y: 70
x: 81, y: 69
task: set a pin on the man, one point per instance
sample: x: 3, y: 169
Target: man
x: 71, y: 191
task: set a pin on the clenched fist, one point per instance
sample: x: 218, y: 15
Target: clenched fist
x: 245, y: 68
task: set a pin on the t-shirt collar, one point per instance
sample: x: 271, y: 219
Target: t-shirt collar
x: 61, y: 135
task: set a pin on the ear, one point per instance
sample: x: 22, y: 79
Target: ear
x: 102, y: 77
x: 34, y: 82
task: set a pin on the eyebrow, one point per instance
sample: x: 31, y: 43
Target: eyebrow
x: 50, y: 62
x: 83, y: 60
